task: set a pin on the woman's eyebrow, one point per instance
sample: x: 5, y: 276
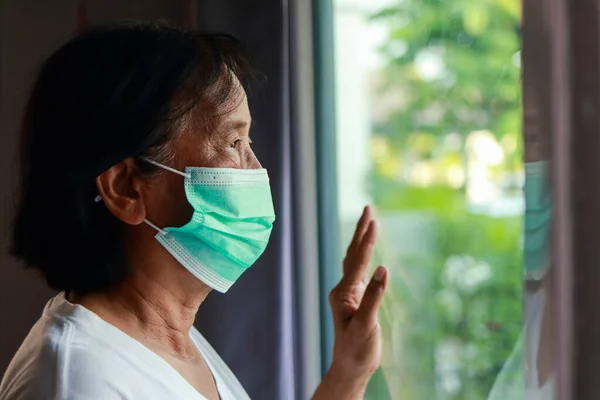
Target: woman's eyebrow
x: 236, y: 124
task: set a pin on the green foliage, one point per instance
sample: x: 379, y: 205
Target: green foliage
x: 473, y: 47
x: 482, y: 320
x: 453, y: 67
x: 391, y: 196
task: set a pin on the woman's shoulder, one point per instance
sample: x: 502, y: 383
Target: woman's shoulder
x: 58, y: 358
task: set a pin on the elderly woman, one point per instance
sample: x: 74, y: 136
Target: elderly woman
x: 141, y: 194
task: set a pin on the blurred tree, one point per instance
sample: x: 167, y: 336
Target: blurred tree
x: 451, y: 67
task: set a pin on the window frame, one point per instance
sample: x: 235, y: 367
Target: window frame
x: 326, y: 166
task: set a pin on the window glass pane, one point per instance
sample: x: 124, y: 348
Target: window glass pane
x: 429, y: 131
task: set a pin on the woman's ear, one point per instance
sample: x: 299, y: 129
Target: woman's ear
x: 120, y: 187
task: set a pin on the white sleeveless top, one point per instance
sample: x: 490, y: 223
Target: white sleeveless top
x: 71, y: 353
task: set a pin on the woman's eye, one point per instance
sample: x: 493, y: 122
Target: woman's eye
x: 234, y: 144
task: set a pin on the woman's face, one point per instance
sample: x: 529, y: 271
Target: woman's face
x: 227, y: 145
x: 162, y: 200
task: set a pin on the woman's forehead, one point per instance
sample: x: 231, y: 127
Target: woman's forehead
x: 204, y: 124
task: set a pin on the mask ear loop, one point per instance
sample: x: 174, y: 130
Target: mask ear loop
x: 161, y: 231
x: 98, y: 198
x: 184, y: 174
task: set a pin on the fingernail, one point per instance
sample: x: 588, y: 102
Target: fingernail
x: 379, y: 274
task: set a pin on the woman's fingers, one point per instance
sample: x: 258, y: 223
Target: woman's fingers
x: 344, y: 301
x: 346, y: 297
x: 356, y: 263
x: 361, y: 228
x: 366, y: 315
x: 354, y: 302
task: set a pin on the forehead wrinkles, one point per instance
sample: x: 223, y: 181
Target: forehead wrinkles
x: 208, y: 120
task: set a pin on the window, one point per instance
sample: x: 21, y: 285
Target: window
x: 428, y: 130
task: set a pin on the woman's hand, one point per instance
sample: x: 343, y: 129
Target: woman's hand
x: 354, y: 303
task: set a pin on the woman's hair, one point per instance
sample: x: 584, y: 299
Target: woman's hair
x: 110, y: 93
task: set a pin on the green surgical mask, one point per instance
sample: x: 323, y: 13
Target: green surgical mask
x: 231, y: 225
x: 538, y: 219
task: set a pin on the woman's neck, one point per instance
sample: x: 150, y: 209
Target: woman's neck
x: 155, y: 307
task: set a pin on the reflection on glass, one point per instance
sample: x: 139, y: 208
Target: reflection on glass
x: 429, y: 131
